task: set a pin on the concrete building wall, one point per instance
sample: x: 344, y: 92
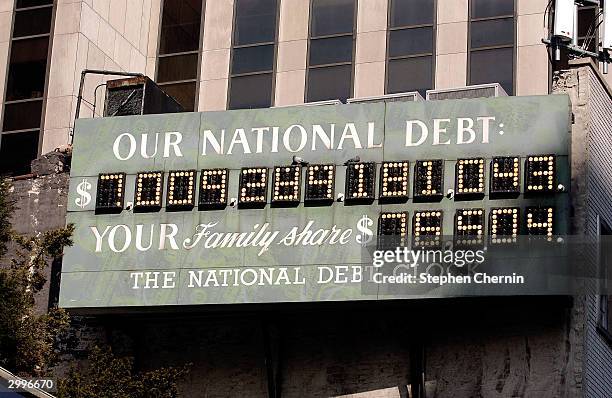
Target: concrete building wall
x: 123, y: 35
x: 292, y: 52
x: 119, y: 35
x: 216, y: 49
x: 370, y: 54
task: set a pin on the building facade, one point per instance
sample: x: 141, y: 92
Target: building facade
x: 217, y: 55
x: 230, y: 54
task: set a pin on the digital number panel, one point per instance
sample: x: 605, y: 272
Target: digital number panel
x: 540, y: 221
x: 427, y: 227
x: 469, y: 177
x: 392, y: 229
x: 110, y: 193
x: 149, y: 191
x: 181, y: 190
x: 469, y: 227
x: 540, y: 174
x: 504, y: 224
x: 394, y: 182
x: 360, y: 183
x: 504, y: 177
x: 286, y: 185
x: 319, y: 185
x: 213, y: 189
x: 253, y: 187
x: 428, y: 180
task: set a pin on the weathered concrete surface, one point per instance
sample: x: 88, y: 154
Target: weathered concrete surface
x: 41, y: 204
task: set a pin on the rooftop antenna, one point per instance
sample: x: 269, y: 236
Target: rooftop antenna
x: 565, y: 31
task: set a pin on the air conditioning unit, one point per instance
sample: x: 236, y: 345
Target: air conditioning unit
x: 316, y: 103
x: 137, y: 96
x: 327, y: 102
x: 398, y: 97
x: 477, y: 91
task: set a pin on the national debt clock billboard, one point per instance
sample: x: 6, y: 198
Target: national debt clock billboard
x: 290, y: 204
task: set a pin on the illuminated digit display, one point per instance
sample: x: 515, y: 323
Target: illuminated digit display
x: 149, y: 191
x: 540, y: 173
x: 213, y: 189
x: 110, y: 193
x: 394, y: 182
x: 181, y: 190
x: 392, y: 228
x: 319, y: 184
x: 540, y: 221
x: 470, y: 177
x: 360, y: 181
x: 469, y: 226
x: 253, y: 187
x: 287, y: 182
x: 428, y: 180
x: 504, y: 224
x: 427, y: 227
x: 505, y: 172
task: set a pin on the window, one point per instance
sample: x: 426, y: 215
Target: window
x: 179, y: 50
x: 587, y: 27
x: 331, y: 50
x: 410, y: 46
x: 25, y: 86
x: 253, y: 54
x: 492, y: 43
x: 605, y: 300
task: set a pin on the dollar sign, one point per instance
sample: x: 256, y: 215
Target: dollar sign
x: 85, y: 197
x: 366, y: 233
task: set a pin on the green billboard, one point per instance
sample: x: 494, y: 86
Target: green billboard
x: 277, y: 205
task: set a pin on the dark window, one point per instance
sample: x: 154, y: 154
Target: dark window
x: 184, y: 93
x: 332, y: 17
x: 333, y: 82
x: 492, y: 33
x: 17, y: 151
x: 253, y: 54
x: 492, y: 66
x: 253, y: 59
x: 406, y: 42
x: 32, y: 22
x: 492, y: 42
x: 27, y: 69
x: 331, y: 50
x: 22, y: 115
x: 32, y: 3
x: 255, y: 22
x: 410, y: 74
x: 180, y: 27
x: 587, y: 29
x: 251, y: 91
x: 605, y: 300
x: 179, y: 67
x: 411, y: 12
x: 410, y: 46
x: 25, y: 86
x: 491, y: 8
x: 179, y: 50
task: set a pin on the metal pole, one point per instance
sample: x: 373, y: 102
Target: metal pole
x: 81, y: 86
